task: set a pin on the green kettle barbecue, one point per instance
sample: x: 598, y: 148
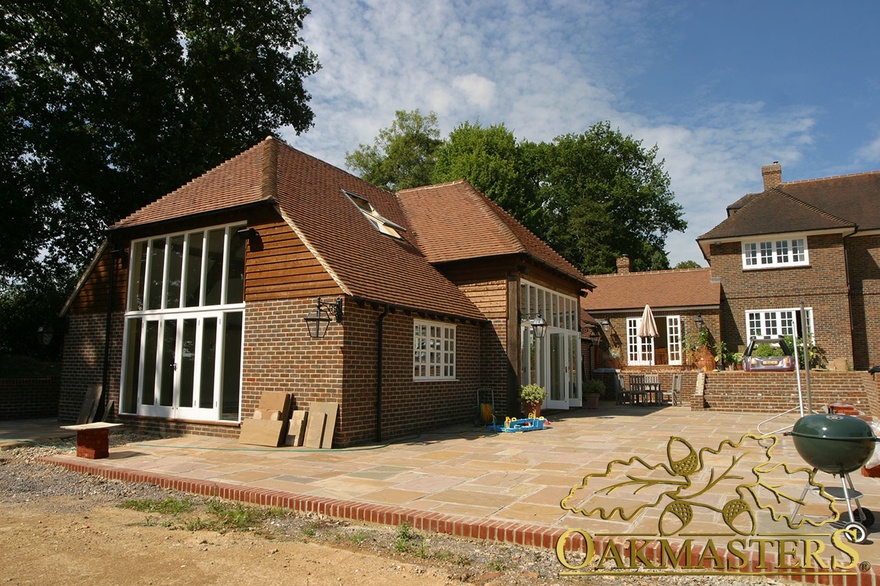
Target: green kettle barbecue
x: 837, y: 445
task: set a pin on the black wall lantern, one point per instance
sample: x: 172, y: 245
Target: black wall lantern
x: 594, y: 335
x: 539, y: 326
x: 318, y: 321
x: 699, y: 321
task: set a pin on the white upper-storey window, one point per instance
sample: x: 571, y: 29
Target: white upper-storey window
x: 774, y: 253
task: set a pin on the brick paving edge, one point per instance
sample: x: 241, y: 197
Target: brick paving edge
x: 509, y: 532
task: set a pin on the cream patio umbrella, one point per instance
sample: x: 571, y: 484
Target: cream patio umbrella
x: 648, y: 327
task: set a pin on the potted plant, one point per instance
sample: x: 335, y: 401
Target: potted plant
x: 593, y: 391
x: 531, y: 397
x: 736, y: 358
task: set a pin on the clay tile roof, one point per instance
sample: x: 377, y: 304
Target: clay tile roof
x: 365, y: 262
x: 454, y: 221
x: 843, y: 202
x: 774, y: 212
x: 851, y: 197
x: 660, y: 289
x: 309, y: 194
x: 239, y: 181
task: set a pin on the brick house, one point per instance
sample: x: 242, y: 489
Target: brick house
x: 812, y: 244
x: 196, y: 304
x: 679, y: 299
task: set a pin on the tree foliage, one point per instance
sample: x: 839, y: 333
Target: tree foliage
x: 402, y: 156
x: 107, y: 104
x: 592, y: 196
x: 688, y: 264
x: 608, y: 196
x: 494, y: 162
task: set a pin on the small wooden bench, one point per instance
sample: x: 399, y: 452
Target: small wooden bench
x: 92, y: 439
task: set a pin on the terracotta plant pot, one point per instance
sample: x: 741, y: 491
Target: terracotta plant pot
x: 529, y: 408
x: 591, y: 401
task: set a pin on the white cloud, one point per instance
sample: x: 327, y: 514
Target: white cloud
x: 870, y: 153
x: 543, y: 70
x: 477, y: 90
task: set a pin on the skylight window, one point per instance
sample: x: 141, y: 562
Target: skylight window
x: 379, y: 222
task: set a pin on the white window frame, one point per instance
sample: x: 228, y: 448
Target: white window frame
x: 560, y: 315
x: 640, y: 351
x: 772, y: 252
x: 137, y: 311
x: 434, y: 352
x: 770, y: 323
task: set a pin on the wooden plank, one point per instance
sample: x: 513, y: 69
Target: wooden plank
x: 261, y: 432
x: 90, y: 404
x: 296, y: 429
x: 315, y: 429
x: 330, y: 410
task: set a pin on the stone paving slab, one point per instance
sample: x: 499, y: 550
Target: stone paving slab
x: 481, y: 483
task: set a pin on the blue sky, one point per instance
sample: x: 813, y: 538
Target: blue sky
x: 721, y: 87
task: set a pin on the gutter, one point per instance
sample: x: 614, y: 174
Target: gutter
x: 380, y: 330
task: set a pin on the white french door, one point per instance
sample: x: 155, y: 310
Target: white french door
x: 554, y: 363
x: 184, y: 364
x: 646, y: 351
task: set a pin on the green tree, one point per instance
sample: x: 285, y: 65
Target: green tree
x: 494, y: 162
x: 688, y: 264
x: 402, y: 156
x: 107, y: 104
x: 606, y: 196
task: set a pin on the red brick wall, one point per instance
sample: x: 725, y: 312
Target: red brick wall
x: 29, y: 398
x: 821, y: 285
x: 279, y: 356
x: 82, y: 363
x: 863, y: 255
x: 774, y: 392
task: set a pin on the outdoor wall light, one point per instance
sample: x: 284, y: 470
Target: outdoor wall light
x: 604, y: 322
x: 318, y: 321
x: 594, y: 335
x: 539, y: 326
x: 699, y: 321
x: 246, y: 233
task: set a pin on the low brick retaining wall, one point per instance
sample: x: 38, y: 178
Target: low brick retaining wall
x: 29, y: 398
x: 775, y: 392
x: 763, y: 392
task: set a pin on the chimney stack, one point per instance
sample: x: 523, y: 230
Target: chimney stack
x: 772, y: 175
x: 623, y: 265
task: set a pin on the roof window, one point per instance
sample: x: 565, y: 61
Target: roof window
x: 379, y: 222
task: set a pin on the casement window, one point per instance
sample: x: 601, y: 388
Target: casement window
x: 433, y: 350
x: 775, y: 253
x: 769, y: 323
x: 184, y: 326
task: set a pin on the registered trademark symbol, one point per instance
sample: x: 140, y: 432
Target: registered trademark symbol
x: 864, y: 566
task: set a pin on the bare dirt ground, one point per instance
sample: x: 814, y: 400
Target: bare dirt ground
x: 60, y: 527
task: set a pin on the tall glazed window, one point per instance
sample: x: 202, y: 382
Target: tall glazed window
x: 554, y: 360
x: 184, y: 326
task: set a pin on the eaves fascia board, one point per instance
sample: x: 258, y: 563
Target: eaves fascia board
x: 196, y: 216
x: 419, y: 310
x: 629, y: 311
x: 740, y: 237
